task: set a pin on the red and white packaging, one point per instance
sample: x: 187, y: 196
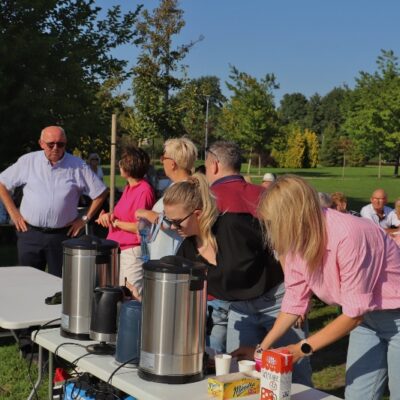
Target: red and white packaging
x: 276, y: 374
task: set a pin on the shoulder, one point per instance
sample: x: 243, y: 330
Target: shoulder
x: 74, y: 161
x: 341, y: 227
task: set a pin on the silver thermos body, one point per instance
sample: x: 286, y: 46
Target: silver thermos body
x: 173, y: 320
x: 88, y: 262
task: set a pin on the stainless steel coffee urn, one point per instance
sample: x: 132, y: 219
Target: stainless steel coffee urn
x: 173, y: 320
x: 88, y: 262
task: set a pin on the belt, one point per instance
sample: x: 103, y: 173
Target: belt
x: 49, y: 230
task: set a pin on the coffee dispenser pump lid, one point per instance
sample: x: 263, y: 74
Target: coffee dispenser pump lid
x: 90, y: 242
x: 176, y: 265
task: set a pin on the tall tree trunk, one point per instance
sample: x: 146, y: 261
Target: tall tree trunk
x: 396, y: 165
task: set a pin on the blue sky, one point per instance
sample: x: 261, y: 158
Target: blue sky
x: 310, y: 45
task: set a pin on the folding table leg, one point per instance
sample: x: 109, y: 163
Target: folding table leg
x: 39, y: 378
x: 51, y: 375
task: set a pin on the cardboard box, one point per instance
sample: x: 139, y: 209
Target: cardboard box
x: 276, y: 374
x: 232, y: 386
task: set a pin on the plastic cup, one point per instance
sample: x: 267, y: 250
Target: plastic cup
x: 222, y: 364
x: 246, y: 365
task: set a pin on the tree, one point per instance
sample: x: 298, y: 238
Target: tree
x: 192, y: 102
x: 55, y: 55
x: 373, y: 118
x: 155, y: 74
x: 296, y: 148
x: 293, y: 109
x: 249, y: 117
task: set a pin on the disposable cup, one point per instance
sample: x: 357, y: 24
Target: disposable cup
x: 246, y: 365
x: 222, y: 364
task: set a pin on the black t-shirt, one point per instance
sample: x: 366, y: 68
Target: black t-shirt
x: 245, y: 268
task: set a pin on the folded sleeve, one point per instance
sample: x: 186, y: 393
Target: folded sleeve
x: 297, y: 292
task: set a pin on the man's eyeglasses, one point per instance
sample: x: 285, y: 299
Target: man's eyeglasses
x: 177, y: 223
x: 212, y: 153
x: 51, y: 145
x: 162, y: 158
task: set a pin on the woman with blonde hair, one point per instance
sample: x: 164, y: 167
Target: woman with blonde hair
x: 241, y: 269
x: 344, y: 260
x: 178, y: 158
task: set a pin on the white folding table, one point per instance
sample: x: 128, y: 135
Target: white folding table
x: 23, y: 291
x: 127, y: 380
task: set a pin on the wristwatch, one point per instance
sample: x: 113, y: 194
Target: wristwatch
x: 85, y: 219
x: 305, y: 348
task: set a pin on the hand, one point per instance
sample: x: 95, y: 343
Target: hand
x: 141, y: 213
x: 300, y: 321
x: 76, y: 226
x: 134, y: 291
x: 19, y: 222
x: 295, y: 350
x: 105, y: 219
x: 244, y: 353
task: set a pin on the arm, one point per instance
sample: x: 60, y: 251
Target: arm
x: 125, y: 226
x: 15, y: 215
x: 78, y: 223
x: 150, y: 215
x: 335, y: 330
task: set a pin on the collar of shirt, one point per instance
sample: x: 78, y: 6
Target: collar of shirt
x: 229, y: 178
x: 55, y: 164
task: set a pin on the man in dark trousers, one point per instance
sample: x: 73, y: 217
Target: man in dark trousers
x: 52, y: 181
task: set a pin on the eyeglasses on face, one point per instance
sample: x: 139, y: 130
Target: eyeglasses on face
x: 177, y: 223
x: 163, y: 157
x: 51, y: 145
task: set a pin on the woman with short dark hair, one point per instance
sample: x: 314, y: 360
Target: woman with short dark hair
x: 122, y: 223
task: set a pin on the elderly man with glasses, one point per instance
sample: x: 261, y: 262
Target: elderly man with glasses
x: 52, y: 181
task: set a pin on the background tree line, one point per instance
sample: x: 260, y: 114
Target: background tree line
x: 57, y: 67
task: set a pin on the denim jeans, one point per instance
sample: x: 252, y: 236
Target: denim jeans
x: 250, y: 320
x: 374, y: 357
x: 217, y: 339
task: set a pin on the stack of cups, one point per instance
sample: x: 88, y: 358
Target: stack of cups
x: 222, y: 364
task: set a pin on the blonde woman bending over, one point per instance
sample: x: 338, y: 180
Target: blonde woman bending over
x: 344, y: 260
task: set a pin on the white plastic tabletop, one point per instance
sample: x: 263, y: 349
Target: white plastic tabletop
x: 22, y: 297
x: 127, y: 380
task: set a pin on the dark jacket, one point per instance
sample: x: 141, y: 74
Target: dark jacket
x: 245, y: 268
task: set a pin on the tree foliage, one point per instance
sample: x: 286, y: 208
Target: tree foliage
x: 54, y: 56
x: 373, y: 118
x: 249, y: 116
x: 296, y: 148
x: 156, y: 74
x: 192, y: 102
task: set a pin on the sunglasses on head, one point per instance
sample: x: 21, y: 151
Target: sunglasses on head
x: 177, y: 223
x: 51, y: 145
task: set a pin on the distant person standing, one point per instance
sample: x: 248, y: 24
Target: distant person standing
x: 52, y: 181
x: 377, y: 211
x: 267, y: 180
x: 94, y: 164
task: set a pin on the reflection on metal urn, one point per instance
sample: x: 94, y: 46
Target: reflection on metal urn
x: 88, y: 262
x: 173, y: 320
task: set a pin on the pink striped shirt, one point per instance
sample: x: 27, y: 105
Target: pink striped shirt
x: 361, y: 270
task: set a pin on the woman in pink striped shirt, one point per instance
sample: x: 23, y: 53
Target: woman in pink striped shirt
x: 344, y: 260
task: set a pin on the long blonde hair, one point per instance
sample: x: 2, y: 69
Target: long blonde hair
x: 195, y: 194
x: 293, y: 220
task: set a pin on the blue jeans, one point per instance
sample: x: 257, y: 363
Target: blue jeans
x: 217, y: 339
x: 250, y: 320
x: 373, y: 357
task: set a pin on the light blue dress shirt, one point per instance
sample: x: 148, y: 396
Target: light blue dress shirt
x: 51, y: 192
